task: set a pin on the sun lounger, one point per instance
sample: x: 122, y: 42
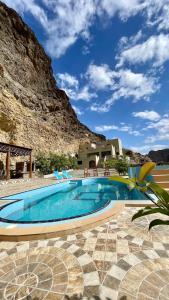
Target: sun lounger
x: 86, y: 173
x: 106, y: 172
x: 95, y: 172
x: 66, y: 175
x: 57, y: 175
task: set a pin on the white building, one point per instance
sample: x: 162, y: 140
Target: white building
x: 93, y: 155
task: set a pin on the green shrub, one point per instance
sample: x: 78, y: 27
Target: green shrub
x: 121, y: 166
x: 43, y: 163
x: 110, y: 163
x: 72, y: 162
x: 47, y: 163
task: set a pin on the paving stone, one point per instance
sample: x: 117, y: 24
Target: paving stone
x: 53, y: 296
x: 123, y: 264
x: 117, y: 272
x: 91, y: 291
x: 165, y: 291
x: 154, y: 279
x: 108, y: 293
x: 111, y: 282
x: 91, y: 279
x: 162, y: 253
x: 151, y: 290
x: 110, y: 260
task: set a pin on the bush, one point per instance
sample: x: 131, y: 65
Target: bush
x: 47, y: 163
x: 72, y: 162
x: 43, y: 163
x: 110, y: 163
x: 121, y: 166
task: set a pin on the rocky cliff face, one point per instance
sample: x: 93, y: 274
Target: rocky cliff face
x: 159, y: 155
x: 33, y: 111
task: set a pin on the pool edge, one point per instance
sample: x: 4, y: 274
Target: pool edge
x: 59, y: 230
x: 46, y: 232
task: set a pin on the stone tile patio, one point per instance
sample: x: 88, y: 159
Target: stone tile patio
x: 8, y: 188
x: 118, y: 260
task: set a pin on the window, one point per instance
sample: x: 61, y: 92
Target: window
x: 105, y: 153
x: 91, y: 154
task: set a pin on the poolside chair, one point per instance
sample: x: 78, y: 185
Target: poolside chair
x: 106, y: 172
x: 57, y: 175
x: 95, y: 172
x: 86, y: 173
x: 66, y: 175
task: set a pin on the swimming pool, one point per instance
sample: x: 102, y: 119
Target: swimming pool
x: 68, y: 200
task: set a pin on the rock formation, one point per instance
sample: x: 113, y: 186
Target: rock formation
x: 159, y: 156
x: 136, y: 157
x: 34, y: 112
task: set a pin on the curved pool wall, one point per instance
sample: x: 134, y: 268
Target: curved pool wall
x: 32, y: 197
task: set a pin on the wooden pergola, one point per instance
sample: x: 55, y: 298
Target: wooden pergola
x: 12, y: 151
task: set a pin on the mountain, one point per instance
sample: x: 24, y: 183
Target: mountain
x: 136, y: 157
x: 159, y: 155
x: 34, y: 112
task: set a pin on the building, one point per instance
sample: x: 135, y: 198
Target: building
x: 95, y: 154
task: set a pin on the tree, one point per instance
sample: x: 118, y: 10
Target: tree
x: 72, y: 162
x: 110, y: 163
x: 43, y: 163
x: 121, y: 166
x: 47, y: 163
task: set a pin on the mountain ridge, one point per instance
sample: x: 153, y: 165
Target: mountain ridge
x: 159, y: 155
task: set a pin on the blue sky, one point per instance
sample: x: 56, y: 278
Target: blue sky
x: 112, y: 59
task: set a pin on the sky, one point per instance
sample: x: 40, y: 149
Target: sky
x: 112, y: 59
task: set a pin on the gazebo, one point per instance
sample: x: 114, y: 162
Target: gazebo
x: 12, y: 151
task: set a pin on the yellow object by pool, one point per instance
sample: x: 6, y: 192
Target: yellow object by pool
x: 145, y: 170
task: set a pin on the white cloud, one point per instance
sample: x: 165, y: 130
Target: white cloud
x: 70, y: 84
x: 128, y: 84
x: 77, y: 110
x: 158, y: 13
x: 29, y: 6
x: 147, y: 115
x: 124, y: 128
x: 162, y: 129
x: 85, y: 94
x: 124, y: 8
x: 103, y: 128
x: 64, y: 21
x: 67, y: 79
x: 101, y: 108
x: 155, y: 49
x: 136, y: 85
x: 100, y: 77
x: 146, y: 148
x: 72, y: 19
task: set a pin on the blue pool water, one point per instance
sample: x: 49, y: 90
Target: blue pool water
x: 67, y: 200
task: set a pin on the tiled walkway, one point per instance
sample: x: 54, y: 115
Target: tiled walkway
x: 18, y: 186
x: 118, y: 260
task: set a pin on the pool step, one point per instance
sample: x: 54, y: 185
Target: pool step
x: 161, y: 178
x: 160, y: 172
x: 165, y: 185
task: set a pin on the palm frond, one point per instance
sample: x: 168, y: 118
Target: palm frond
x: 148, y: 211
x: 158, y: 222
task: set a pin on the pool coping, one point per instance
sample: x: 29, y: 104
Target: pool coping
x: 52, y: 231
x: 43, y: 231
